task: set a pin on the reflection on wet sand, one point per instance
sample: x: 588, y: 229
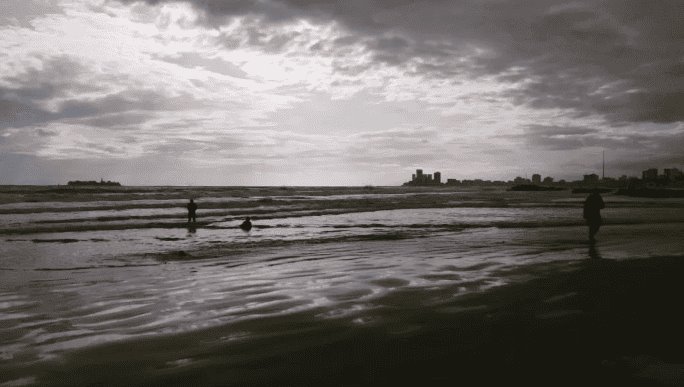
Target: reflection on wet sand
x: 604, y: 322
x: 484, y: 280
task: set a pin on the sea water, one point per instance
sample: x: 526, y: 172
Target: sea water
x: 82, y: 268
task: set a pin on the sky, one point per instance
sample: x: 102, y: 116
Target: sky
x: 337, y: 92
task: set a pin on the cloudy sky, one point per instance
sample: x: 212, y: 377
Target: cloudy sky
x: 337, y: 92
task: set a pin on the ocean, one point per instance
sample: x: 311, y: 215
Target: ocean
x: 113, y: 286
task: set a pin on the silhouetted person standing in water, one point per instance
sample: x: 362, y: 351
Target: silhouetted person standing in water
x: 247, y: 224
x: 592, y: 213
x: 192, y: 207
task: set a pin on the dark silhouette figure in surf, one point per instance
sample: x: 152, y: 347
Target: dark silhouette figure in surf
x: 192, y: 208
x: 247, y: 224
x: 592, y: 213
x: 593, y: 252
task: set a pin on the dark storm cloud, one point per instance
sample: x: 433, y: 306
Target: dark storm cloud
x: 669, y: 154
x: 568, y: 138
x: 20, y: 101
x: 541, y: 130
x: 16, y: 114
x: 54, y: 77
x: 123, y: 108
x: 22, y: 12
x: 122, y: 102
x: 126, y: 119
x: 22, y: 104
x: 254, y: 33
x: 217, y: 65
x: 619, y: 59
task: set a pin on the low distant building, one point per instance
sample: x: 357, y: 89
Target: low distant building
x: 673, y: 174
x: 93, y: 183
x: 536, y: 178
x: 438, y: 178
x: 591, y: 178
x: 650, y: 174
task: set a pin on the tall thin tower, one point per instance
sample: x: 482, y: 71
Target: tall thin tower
x: 603, y: 172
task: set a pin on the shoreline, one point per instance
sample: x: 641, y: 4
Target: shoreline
x: 590, y: 321
x: 481, y: 287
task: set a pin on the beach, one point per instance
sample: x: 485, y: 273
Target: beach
x: 337, y: 286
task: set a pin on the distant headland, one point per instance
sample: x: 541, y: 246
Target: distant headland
x: 94, y: 183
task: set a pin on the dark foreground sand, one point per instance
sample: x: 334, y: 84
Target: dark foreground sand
x: 591, y: 322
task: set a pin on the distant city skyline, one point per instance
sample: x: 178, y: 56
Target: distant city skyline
x: 332, y: 92
x: 421, y: 178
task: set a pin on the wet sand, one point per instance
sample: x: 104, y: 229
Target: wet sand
x: 590, y: 322
x: 339, y: 287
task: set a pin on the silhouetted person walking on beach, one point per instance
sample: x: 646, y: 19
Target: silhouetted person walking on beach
x: 192, y: 207
x: 247, y: 224
x: 592, y: 213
